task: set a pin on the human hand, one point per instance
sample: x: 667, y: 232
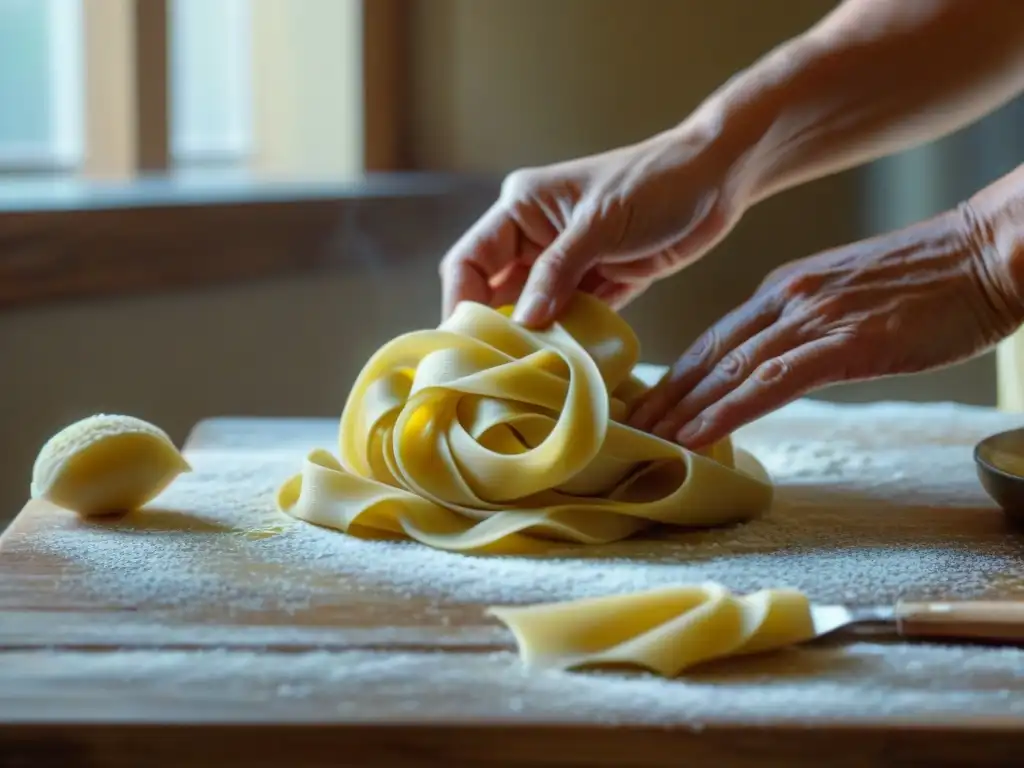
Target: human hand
x: 917, y: 299
x: 609, y: 224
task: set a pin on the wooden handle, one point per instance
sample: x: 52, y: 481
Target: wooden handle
x: 977, y: 620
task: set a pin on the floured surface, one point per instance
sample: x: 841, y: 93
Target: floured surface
x: 868, y: 683
x: 873, y: 503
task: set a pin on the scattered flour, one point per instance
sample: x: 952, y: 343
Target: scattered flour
x: 888, y: 506
x: 873, y: 503
x: 867, y: 683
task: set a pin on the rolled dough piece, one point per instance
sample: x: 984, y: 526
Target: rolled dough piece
x: 106, y: 463
x: 484, y: 436
x: 666, y: 630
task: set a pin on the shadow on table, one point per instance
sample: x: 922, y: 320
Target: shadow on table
x: 784, y: 666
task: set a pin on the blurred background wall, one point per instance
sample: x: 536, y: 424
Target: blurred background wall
x: 495, y: 84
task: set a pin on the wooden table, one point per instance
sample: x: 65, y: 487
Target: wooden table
x: 195, y: 634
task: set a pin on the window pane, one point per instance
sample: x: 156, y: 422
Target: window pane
x: 40, y: 83
x: 210, y: 79
x: 26, y: 117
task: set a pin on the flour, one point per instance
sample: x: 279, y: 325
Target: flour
x: 868, y: 683
x: 873, y: 503
x: 856, y: 519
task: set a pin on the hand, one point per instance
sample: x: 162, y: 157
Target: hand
x: 610, y: 224
x: 921, y: 298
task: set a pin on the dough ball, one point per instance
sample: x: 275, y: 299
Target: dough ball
x: 105, y: 464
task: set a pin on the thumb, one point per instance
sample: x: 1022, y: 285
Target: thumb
x: 554, y: 277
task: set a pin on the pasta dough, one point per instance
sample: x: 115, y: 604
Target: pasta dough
x: 106, y: 463
x: 484, y: 436
x: 664, y: 630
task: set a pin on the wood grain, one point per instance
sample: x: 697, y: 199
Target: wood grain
x: 409, y: 746
x: 46, y: 601
x: 375, y: 677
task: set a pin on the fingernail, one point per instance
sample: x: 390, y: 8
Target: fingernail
x: 533, y: 311
x: 689, y: 432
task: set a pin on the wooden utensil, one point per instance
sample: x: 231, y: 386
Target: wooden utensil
x: 984, y: 620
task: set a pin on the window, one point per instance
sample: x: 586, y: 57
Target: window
x: 210, y: 79
x: 40, y: 60
x: 267, y: 85
x: 155, y: 94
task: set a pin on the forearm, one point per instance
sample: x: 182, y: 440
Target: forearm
x: 872, y: 78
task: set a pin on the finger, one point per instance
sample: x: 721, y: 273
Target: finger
x: 735, y: 367
x: 638, y: 270
x: 487, y: 248
x: 708, y: 231
x: 700, y: 359
x: 507, y: 290
x: 555, y: 276
x: 775, y: 382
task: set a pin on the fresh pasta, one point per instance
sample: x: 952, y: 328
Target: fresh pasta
x: 483, y: 436
x: 666, y: 630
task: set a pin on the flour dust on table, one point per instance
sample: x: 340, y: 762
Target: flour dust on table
x: 855, y: 520
x: 872, y: 503
x: 932, y: 682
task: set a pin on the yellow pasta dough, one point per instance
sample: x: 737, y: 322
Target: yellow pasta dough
x: 481, y: 435
x: 106, y: 463
x: 664, y: 630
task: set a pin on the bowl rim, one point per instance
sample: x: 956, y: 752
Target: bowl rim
x: 988, y: 466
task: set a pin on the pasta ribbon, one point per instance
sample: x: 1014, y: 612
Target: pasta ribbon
x: 666, y: 630
x: 484, y: 436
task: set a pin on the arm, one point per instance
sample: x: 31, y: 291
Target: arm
x: 872, y: 78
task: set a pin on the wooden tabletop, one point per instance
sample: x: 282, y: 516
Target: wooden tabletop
x: 198, y: 633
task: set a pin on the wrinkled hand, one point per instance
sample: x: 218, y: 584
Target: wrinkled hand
x: 609, y: 224
x: 921, y: 298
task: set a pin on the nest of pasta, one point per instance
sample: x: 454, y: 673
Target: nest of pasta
x: 482, y: 435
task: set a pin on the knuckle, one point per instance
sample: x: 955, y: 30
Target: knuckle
x: 519, y: 185
x: 830, y: 307
x: 800, y: 285
x: 733, y: 366
x: 706, y: 349
x: 774, y: 371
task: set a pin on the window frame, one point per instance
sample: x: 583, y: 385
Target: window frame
x: 155, y: 229
x: 127, y: 94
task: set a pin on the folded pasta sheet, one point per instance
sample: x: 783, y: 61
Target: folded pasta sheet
x: 666, y: 630
x: 481, y: 435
